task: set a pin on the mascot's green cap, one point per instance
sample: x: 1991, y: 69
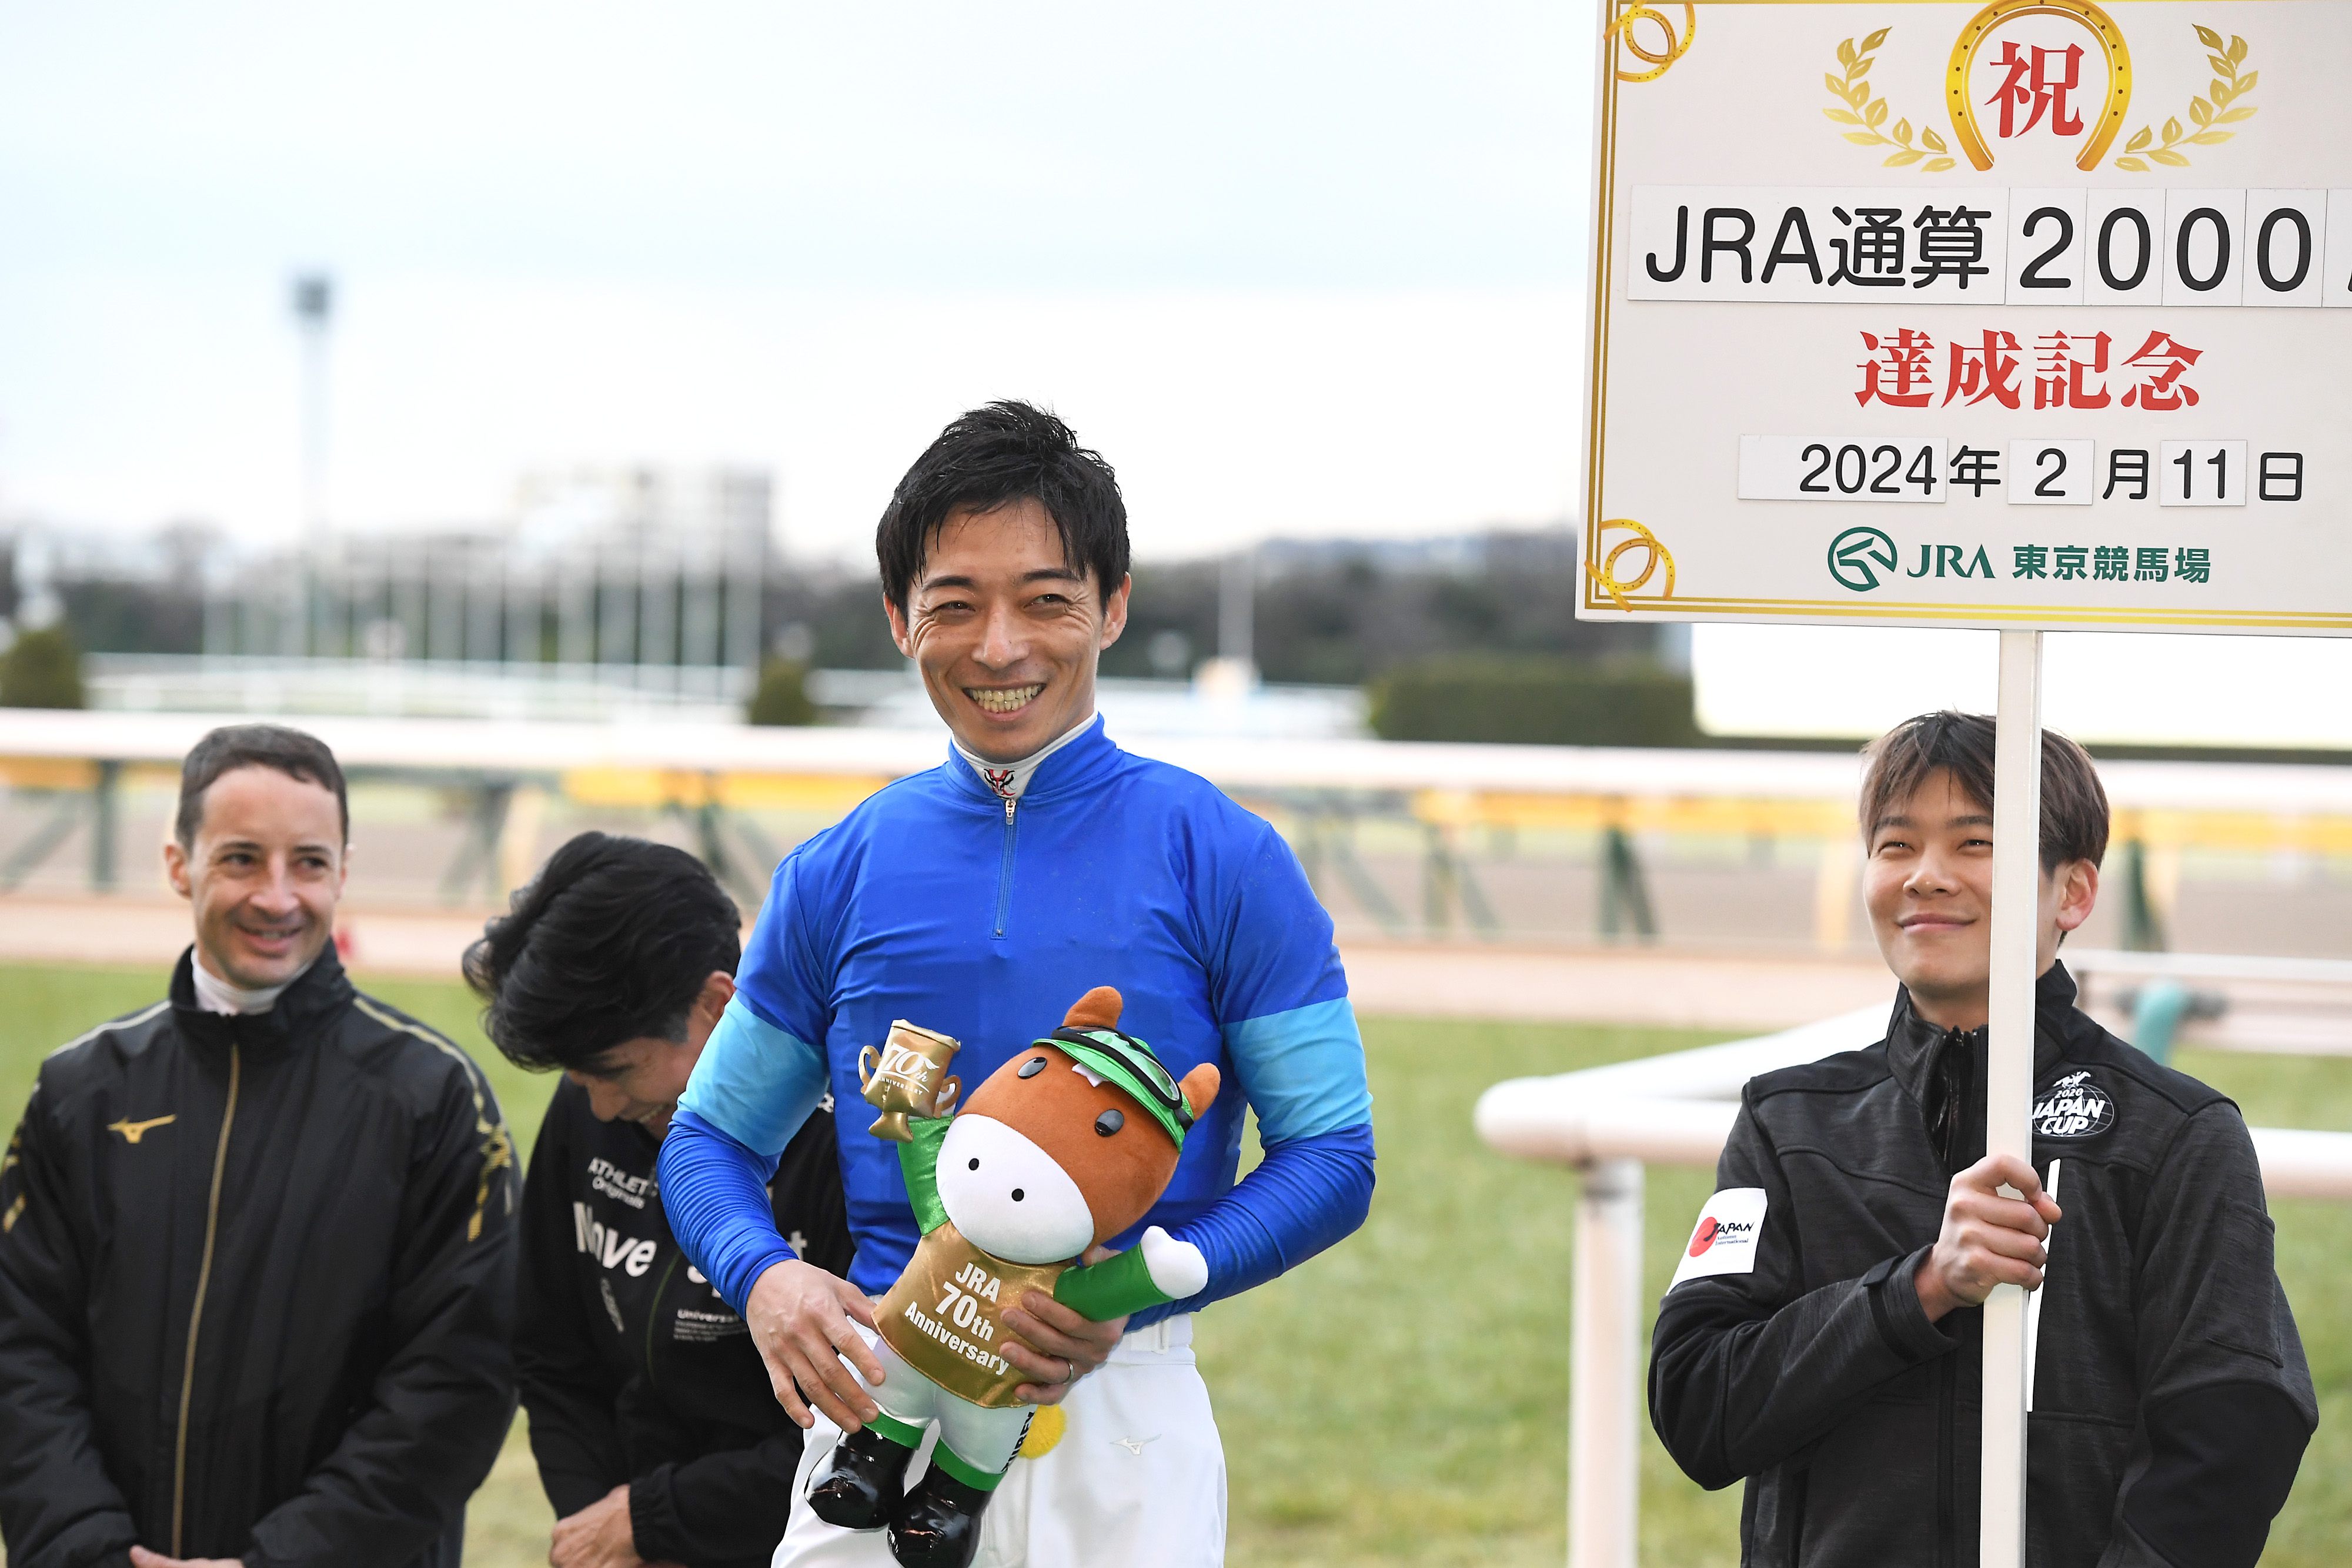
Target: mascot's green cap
x: 1129, y: 1063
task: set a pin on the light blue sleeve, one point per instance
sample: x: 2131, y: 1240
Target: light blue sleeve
x: 1302, y: 1069
x: 756, y: 1083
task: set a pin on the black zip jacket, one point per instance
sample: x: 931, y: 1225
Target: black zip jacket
x: 633, y: 1369
x: 255, y: 1289
x: 2171, y: 1401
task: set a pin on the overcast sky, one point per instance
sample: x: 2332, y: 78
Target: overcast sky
x: 1295, y: 269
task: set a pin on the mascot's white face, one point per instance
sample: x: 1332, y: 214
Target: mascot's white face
x: 1008, y: 1197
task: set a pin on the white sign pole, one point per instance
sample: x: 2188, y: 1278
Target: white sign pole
x: 1605, y: 1367
x: 2009, y: 1078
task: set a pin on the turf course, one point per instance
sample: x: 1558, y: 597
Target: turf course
x: 1403, y: 1400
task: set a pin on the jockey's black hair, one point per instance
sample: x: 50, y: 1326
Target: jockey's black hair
x: 990, y: 458
x: 611, y: 942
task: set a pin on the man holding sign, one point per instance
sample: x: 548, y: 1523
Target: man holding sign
x: 1822, y: 1339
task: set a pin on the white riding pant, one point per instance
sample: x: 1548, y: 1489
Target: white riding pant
x: 1138, y: 1478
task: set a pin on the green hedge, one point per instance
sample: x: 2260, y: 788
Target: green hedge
x: 783, y: 695
x: 41, y: 669
x: 1539, y: 702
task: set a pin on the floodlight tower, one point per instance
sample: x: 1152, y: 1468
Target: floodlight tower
x: 313, y: 300
x: 1227, y: 679
x: 1238, y: 611
x: 314, y: 309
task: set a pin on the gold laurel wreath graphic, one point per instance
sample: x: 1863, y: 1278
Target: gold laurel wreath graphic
x: 2208, y: 116
x: 1605, y: 574
x: 1869, y: 114
x: 1621, y: 29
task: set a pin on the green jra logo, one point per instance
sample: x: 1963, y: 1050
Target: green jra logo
x: 1861, y: 558
x: 1956, y: 557
x: 1866, y: 558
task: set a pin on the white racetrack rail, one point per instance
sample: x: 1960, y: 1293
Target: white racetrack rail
x: 549, y: 746
x: 1678, y: 1109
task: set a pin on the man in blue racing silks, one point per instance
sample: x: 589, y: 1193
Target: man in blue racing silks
x: 977, y: 899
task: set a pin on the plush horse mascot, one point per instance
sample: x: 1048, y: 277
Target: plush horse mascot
x: 1067, y: 1144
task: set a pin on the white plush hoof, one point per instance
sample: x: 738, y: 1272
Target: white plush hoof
x: 1177, y: 1267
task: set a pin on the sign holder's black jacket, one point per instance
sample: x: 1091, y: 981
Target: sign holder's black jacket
x: 633, y: 1369
x: 2171, y: 1401
x: 255, y: 1289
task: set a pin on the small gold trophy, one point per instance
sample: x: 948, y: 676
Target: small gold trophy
x: 908, y: 1078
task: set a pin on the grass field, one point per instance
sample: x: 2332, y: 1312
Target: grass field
x: 1403, y: 1400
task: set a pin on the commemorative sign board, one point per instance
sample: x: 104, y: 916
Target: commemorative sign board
x: 2028, y: 314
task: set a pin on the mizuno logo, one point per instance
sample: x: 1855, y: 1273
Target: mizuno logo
x: 133, y: 1131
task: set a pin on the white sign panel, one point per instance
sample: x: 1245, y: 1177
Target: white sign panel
x: 2028, y: 314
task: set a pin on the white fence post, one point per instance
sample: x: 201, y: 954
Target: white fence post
x: 1605, y: 1362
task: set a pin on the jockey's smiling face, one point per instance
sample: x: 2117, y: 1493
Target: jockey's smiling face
x: 1005, y: 630
x: 264, y: 873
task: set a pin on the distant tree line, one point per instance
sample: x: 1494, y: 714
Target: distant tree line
x: 1469, y: 638
x: 1327, y: 615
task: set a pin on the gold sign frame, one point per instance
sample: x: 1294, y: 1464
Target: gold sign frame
x: 1609, y: 600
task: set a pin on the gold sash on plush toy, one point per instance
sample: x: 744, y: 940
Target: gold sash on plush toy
x: 945, y: 1316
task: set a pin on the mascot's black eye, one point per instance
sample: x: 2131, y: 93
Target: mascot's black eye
x: 974, y: 1165
x: 1017, y: 1194
x: 1109, y: 1122
x: 1034, y: 1066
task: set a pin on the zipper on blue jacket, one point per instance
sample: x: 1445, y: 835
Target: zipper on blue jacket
x: 1004, y: 873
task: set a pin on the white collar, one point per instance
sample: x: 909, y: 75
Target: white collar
x: 214, y: 995
x: 1008, y: 780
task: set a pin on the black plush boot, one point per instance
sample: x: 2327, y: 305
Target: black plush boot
x: 938, y: 1524
x: 862, y: 1483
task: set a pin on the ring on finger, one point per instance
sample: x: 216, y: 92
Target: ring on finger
x: 1071, y: 1375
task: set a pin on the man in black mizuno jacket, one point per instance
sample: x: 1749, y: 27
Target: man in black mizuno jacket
x: 256, y: 1240
x: 1823, y: 1337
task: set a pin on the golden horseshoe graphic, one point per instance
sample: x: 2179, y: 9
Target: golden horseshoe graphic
x: 1605, y: 574
x: 1621, y: 29
x: 1972, y: 37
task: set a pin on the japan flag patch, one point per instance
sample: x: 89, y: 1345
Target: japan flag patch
x: 1724, y: 1240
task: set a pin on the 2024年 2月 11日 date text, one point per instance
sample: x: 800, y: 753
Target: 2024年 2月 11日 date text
x: 2041, y: 472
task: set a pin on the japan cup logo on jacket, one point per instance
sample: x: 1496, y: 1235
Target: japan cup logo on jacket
x: 2074, y: 1107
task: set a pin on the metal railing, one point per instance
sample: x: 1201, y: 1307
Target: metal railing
x: 413, y: 688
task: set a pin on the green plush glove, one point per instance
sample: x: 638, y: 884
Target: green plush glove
x: 918, y: 1162
x: 1110, y: 1289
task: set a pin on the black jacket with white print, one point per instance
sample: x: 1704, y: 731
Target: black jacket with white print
x: 2170, y: 1404
x: 633, y: 1370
